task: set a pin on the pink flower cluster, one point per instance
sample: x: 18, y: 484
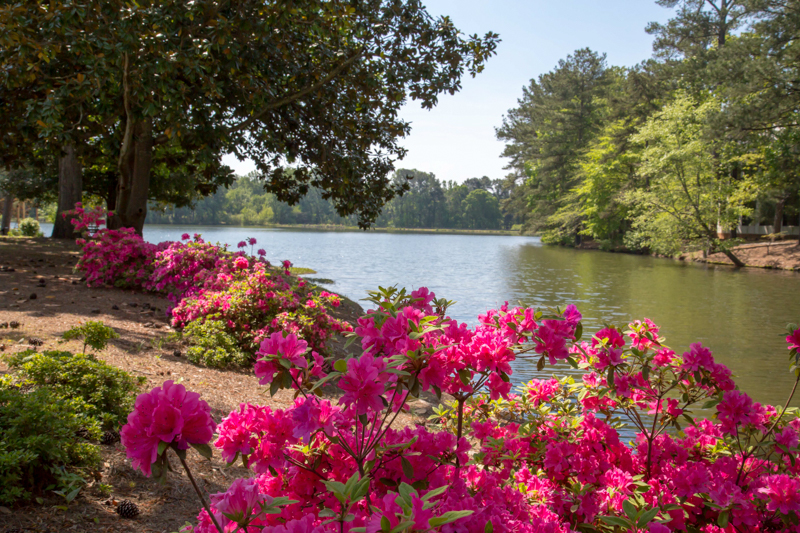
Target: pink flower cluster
x: 168, y: 414
x: 549, y: 459
x: 87, y: 220
x: 206, y: 281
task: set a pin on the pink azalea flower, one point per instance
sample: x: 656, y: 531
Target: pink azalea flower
x: 697, y: 358
x: 241, y: 263
x: 170, y: 414
x: 363, y: 384
x: 782, y: 493
x: 794, y: 340
x: 237, y: 504
x: 185, y: 237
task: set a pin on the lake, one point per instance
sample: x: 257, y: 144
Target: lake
x: 740, y: 315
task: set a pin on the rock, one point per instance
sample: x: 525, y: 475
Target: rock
x: 177, y: 353
x: 420, y: 407
x: 149, y: 325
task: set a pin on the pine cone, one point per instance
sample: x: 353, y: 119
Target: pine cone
x: 109, y: 438
x: 3, y: 325
x: 14, y: 324
x: 35, y: 341
x: 127, y: 509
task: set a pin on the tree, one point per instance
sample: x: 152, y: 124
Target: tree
x: 481, y: 211
x: 687, y: 197
x: 313, y: 83
x: 557, y: 117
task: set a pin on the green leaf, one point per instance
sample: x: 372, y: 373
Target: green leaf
x: 722, y: 519
x: 647, y: 517
x: 203, y: 449
x: 386, y: 526
x: 162, y: 447
x: 408, y: 470
x: 463, y: 374
x: 629, y: 509
x: 617, y: 521
x: 340, y: 365
x: 446, y: 518
x: 488, y: 528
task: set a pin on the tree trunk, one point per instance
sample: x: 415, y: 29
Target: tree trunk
x: 736, y: 261
x: 777, y: 224
x: 70, y: 191
x: 134, y: 181
x: 111, y: 194
x: 8, y: 201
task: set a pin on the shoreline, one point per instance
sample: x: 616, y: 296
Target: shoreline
x: 781, y: 255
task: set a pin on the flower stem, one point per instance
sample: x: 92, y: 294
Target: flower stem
x: 200, y: 494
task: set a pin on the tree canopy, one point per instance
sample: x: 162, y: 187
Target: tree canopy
x: 157, y: 92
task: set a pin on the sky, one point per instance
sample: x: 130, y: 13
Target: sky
x: 456, y: 140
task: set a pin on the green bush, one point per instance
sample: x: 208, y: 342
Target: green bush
x: 29, y: 227
x: 39, y: 438
x: 108, y: 393
x: 212, y: 346
x: 93, y: 333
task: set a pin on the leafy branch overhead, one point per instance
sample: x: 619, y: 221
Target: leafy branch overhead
x: 312, y: 86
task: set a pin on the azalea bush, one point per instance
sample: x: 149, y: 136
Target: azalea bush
x: 246, y: 295
x: 547, y: 459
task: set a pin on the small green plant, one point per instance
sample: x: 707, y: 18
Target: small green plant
x: 40, y: 431
x: 212, y: 346
x: 104, y: 489
x: 29, y: 227
x: 70, y: 483
x: 107, y: 392
x: 94, y: 334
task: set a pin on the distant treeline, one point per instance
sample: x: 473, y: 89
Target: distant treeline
x: 478, y: 203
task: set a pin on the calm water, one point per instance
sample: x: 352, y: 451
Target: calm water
x: 740, y: 315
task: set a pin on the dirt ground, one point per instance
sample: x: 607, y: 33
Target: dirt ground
x: 781, y: 255
x: 40, y: 290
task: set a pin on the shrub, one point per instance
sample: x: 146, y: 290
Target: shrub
x: 39, y: 437
x: 106, y: 392
x: 549, y: 459
x: 29, y: 227
x: 213, y: 346
x: 94, y: 334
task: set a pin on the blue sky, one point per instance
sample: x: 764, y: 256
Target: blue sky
x: 456, y: 139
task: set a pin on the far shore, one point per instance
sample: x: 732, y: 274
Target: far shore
x: 336, y: 227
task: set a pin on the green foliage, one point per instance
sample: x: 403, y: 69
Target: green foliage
x: 106, y: 393
x: 94, y: 333
x: 213, y: 346
x: 29, y: 227
x: 39, y: 430
x: 317, y: 87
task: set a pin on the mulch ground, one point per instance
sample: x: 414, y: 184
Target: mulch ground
x: 46, y: 309
x: 780, y: 255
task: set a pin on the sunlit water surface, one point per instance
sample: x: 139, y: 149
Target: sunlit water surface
x: 740, y: 315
